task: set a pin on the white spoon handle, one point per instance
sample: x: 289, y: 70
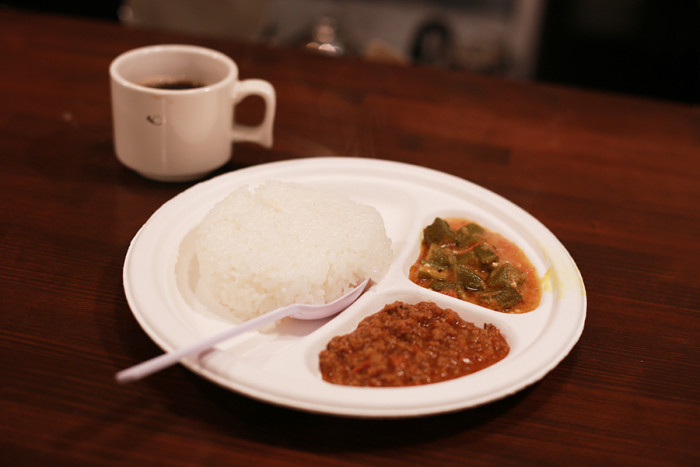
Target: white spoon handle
x: 161, y: 362
x: 300, y: 311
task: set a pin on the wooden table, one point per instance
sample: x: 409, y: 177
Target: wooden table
x: 614, y: 178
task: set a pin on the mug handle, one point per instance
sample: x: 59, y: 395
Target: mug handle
x: 261, y: 134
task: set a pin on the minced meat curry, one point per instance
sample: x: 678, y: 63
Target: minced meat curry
x: 464, y: 260
x: 408, y: 345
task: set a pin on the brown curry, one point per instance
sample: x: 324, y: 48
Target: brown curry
x: 408, y: 345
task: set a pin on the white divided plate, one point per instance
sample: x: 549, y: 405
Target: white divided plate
x: 279, y: 365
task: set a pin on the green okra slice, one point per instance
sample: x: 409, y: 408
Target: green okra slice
x: 506, y: 275
x: 438, y: 232
x: 468, y: 279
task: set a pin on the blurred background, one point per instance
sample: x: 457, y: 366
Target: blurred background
x: 647, y: 48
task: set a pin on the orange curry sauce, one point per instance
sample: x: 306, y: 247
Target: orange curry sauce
x: 529, y: 289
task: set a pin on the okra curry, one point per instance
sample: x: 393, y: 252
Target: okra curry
x: 464, y: 260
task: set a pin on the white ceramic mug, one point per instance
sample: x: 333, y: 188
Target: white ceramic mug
x: 181, y: 134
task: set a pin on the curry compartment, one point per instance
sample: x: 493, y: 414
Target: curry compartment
x: 409, y: 345
x: 464, y: 260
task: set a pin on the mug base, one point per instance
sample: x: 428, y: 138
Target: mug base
x: 174, y: 178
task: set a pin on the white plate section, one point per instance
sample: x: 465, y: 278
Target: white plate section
x: 279, y: 364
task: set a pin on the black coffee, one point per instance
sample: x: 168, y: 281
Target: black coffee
x: 174, y: 84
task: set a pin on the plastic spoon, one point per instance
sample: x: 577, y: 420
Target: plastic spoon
x: 299, y: 311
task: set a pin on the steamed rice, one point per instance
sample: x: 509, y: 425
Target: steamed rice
x: 282, y: 243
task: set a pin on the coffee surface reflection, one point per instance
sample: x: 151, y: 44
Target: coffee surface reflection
x: 174, y: 84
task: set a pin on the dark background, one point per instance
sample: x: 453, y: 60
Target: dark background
x: 645, y: 48
x: 648, y: 47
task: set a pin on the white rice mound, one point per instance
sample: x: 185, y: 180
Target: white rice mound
x: 283, y: 243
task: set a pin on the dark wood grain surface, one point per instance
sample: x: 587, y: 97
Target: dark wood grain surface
x: 616, y: 179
